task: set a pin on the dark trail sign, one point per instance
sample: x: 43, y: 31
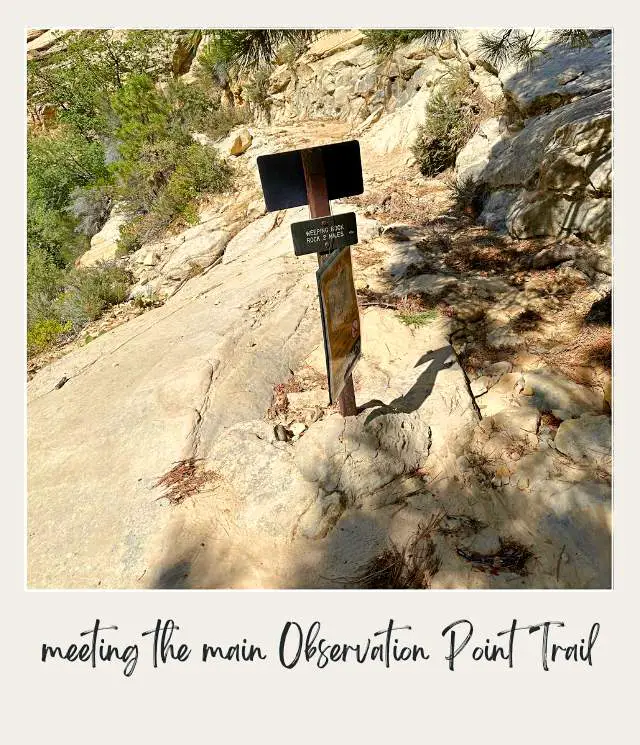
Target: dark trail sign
x: 282, y: 175
x: 324, y: 234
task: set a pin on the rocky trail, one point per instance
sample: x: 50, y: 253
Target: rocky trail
x: 192, y: 445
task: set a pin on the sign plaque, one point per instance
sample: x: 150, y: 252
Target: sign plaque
x: 340, y: 319
x: 324, y: 234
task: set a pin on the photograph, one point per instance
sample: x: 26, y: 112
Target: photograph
x: 318, y: 308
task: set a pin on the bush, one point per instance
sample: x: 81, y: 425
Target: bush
x: 129, y: 240
x: 44, y: 334
x: 88, y: 292
x: 59, y: 304
x: 191, y: 106
x: 257, y: 89
x: 469, y: 195
x: 44, y: 281
x: 60, y: 162
x: 58, y: 166
x: 290, y: 52
x: 90, y: 209
x: 53, y: 233
x: 162, y: 170
x: 451, y: 118
x: 170, y: 193
x: 223, y: 120
x: 386, y: 41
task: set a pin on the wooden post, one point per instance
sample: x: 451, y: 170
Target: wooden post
x: 319, y: 207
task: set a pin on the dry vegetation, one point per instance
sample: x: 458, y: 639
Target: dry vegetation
x: 186, y: 479
x: 410, y: 567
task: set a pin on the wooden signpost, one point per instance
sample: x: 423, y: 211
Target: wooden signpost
x: 340, y: 323
x: 313, y: 176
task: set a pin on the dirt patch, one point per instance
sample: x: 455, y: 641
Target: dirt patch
x: 416, y: 203
x: 305, y: 379
x: 478, y: 249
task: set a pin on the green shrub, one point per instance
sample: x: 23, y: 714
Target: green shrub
x: 256, y: 89
x: 221, y: 121
x: 90, y: 206
x: 191, y: 106
x: 450, y: 120
x: 386, y: 41
x: 199, y: 170
x: 60, y: 162
x: 88, y: 292
x: 143, y: 116
x: 162, y: 170
x: 44, y: 333
x: 151, y: 300
x: 129, y: 240
x: 53, y: 233
x: 291, y: 51
x: 45, y: 280
x: 421, y: 318
x: 468, y: 194
x: 187, y: 173
x: 58, y: 166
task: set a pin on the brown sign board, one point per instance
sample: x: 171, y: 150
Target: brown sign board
x: 340, y: 319
x: 283, y: 181
x: 324, y: 234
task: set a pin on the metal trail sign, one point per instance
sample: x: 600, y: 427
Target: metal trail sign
x: 324, y: 234
x: 313, y: 176
x: 284, y: 175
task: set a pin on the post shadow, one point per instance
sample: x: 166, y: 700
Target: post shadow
x: 441, y: 359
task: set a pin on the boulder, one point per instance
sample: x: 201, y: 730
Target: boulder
x: 42, y: 42
x: 477, y: 155
x: 280, y: 79
x: 358, y: 457
x: 241, y: 143
x: 536, y: 214
x: 104, y: 245
x: 488, y: 84
x: 503, y: 338
x: 553, y: 256
x: 550, y: 178
x: 496, y: 208
x: 321, y: 516
x: 510, y: 160
x: 553, y: 391
x: 587, y: 439
x: 332, y: 43
x: 560, y: 75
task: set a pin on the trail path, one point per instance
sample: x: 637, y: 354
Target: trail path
x: 192, y: 381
